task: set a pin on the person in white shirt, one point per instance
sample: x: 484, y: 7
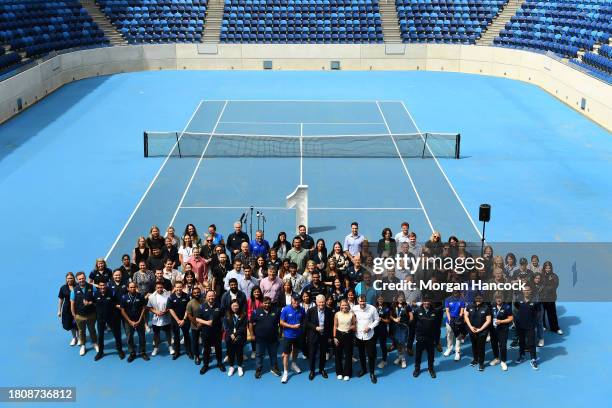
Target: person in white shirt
x: 170, y: 273
x: 403, y: 235
x: 158, y: 302
x: 367, y: 319
x: 353, y: 241
x: 235, y: 273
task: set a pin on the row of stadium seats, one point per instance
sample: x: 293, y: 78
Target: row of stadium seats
x: 155, y: 21
x: 37, y: 27
x: 8, y: 59
x: 599, y: 65
x: 561, y: 26
x: 301, y: 21
x: 460, y: 21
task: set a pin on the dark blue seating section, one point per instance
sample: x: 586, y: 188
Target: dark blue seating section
x: 599, y: 65
x: 157, y: 21
x: 301, y: 21
x: 38, y: 27
x: 458, y: 21
x: 8, y: 59
x: 561, y: 26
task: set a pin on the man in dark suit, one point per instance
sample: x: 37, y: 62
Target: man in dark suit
x: 319, y: 323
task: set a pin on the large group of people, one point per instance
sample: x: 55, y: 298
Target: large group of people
x: 242, y: 298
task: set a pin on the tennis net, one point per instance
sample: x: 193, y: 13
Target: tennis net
x: 187, y: 144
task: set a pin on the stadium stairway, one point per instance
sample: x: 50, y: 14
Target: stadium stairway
x: 499, y: 23
x: 103, y: 22
x: 390, y: 22
x: 212, y: 23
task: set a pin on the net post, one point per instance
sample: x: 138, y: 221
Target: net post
x: 424, y: 146
x: 178, y: 145
x: 458, y: 146
x: 146, y: 144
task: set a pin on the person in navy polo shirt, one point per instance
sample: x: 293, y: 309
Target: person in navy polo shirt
x: 133, y: 311
x: 84, y: 311
x: 107, y: 314
x: 455, y: 327
x: 526, y: 315
x: 502, y: 318
x: 291, y: 320
x: 259, y: 246
x: 478, y: 319
x: 264, y: 325
x: 212, y: 328
x: 177, y: 305
x: 426, y: 326
x: 100, y: 273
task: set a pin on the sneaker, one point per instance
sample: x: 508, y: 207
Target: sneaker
x: 258, y: 373
x: 541, y: 343
x: 295, y: 368
x: 98, y: 356
x: 275, y: 371
x: 96, y: 348
x: 171, y: 350
x: 560, y: 332
x: 74, y: 341
x: 240, y: 372
x: 230, y: 371
x: 382, y: 364
x: 145, y: 356
x: 534, y: 364
x: 519, y: 360
x: 82, y: 351
x: 253, y: 355
x: 403, y: 363
x: 339, y: 377
x: 396, y: 361
x: 285, y: 377
x: 494, y: 362
x: 474, y: 363
x: 448, y: 352
x: 481, y: 367
x: 346, y: 378
x: 457, y: 356
x: 131, y: 357
x: 154, y: 352
x: 503, y: 365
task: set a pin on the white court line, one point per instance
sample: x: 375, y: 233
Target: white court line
x: 297, y: 123
x: 310, y: 208
x: 443, y: 173
x: 298, y: 100
x: 399, y: 154
x: 301, y: 154
x: 197, y: 167
x: 151, y: 184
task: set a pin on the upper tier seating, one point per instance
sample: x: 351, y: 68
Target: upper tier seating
x: 155, y: 21
x: 459, y: 21
x: 38, y: 27
x: 561, y: 26
x: 301, y: 21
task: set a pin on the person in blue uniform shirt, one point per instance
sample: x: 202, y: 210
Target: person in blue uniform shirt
x: 478, y: 319
x: 426, y: 326
x: 526, y: 317
x: 177, y: 306
x: 107, y: 314
x: 133, y: 311
x: 319, y: 325
x: 381, y: 332
x: 502, y: 318
x: 264, y: 325
x: 212, y: 328
x: 259, y: 246
x: 291, y: 321
x: 454, y: 307
x: 84, y: 311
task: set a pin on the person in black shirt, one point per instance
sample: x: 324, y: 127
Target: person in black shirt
x: 502, y: 318
x: 525, y: 321
x: 319, y: 324
x: 107, y: 314
x: 212, y: 328
x: 155, y: 262
x: 133, y: 311
x: 264, y: 325
x: 235, y: 327
x: 63, y: 309
x: 315, y: 287
x: 381, y: 332
x: 127, y: 268
x: 177, y: 305
x: 159, y: 278
x: 307, y: 241
x: 169, y: 251
x: 426, y: 322
x: 100, y: 273
x: 478, y: 318
x: 235, y: 239
x: 155, y: 239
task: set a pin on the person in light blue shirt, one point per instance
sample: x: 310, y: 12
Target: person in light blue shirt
x: 366, y: 288
x: 353, y: 241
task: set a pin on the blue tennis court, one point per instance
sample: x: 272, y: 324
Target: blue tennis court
x: 374, y: 191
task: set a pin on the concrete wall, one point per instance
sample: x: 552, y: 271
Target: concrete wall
x: 564, y: 82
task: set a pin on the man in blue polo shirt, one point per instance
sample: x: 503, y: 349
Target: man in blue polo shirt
x: 259, y: 246
x: 291, y: 319
x: 455, y: 327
